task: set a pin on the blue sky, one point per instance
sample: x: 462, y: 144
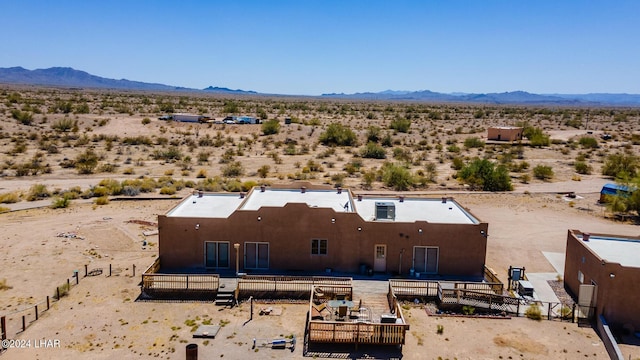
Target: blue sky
x: 312, y: 47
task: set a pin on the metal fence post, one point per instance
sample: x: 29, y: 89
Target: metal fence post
x: 24, y: 324
x: 36, y: 312
x: 134, y: 270
x: 3, y: 328
x: 573, y: 313
x: 86, y: 273
x: 48, y: 302
x: 109, y: 269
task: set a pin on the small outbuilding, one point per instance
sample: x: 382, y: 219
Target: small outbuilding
x: 611, y: 189
x: 504, y: 133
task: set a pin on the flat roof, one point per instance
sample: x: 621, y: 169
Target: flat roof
x: 416, y: 209
x: 615, y: 249
x: 209, y: 205
x: 222, y: 205
x: 314, y: 198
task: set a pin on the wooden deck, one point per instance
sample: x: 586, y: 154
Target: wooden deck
x: 356, y: 329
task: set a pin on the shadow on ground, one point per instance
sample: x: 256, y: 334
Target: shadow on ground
x: 349, y: 351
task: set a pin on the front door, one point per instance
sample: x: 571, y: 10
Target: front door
x: 380, y: 260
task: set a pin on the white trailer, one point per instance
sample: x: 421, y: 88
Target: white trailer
x: 188, y: 117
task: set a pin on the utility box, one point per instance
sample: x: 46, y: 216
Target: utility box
x: 385, y: 211
x: 525, y: 288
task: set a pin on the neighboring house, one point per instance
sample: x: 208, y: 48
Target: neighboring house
x: 611, y: 189
x: 504, y: 133
x: 317, y: 229
x: 603, y: 271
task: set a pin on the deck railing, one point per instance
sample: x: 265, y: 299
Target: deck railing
x: 341, y: 332
x: 414, y: 288
x: 299, y: 286
x: 179, y: 284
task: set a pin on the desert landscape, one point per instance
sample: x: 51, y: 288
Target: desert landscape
x: 84, y: 174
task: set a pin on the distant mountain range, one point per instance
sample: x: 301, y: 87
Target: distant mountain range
x: 68, y: 77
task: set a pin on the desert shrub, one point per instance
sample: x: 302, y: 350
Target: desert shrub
x: 64, y: 124
x: 536, y: 136
x: 543, y: 172
x: 146, y: 121
x: 482, y: 174
x: 102, y: 200
x: 588, y: 142
x: 60, y: 202
x: 23, y: 117
x: 534, y: 312
x: 233, y: 169
x: 202, y: 173
x: 106, y: 168
x: 248, y: 185
x: 3, y: 284
x: 171, y: 153
x: 112, y: 186
x: 62, y: 291
x: 373, y: 151
x: 439, y: 329
x: 130, y: 190
x: 457, y: 163
x: 270, y: 127
x: 38, y: 192
x: 473, y: 142
x: 168, y: 190
x: 4, y: 209
x: 396, y: 176
x: 338, y: 134
x: 582, y: 167
x: 620, y: 165
x: 128, y: 171
x: 468, y: 310
x: 86, y: 162
x: 373, y: 134
x: 10, y: 197
x: 400, y: 125
x: 137, y: 140
x: 263, y: 171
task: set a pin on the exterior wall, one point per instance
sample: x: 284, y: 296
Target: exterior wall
x: 616, y: 298
x: 289, y: 231
x: 504, y: 134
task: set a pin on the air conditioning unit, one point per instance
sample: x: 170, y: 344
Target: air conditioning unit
x: 385, y: 211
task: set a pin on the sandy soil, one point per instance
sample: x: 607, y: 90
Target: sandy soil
x: 100, y: 319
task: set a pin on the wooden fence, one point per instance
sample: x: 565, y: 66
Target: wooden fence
x: 260, y: 286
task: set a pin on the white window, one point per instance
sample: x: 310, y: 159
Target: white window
x: 580, y: 277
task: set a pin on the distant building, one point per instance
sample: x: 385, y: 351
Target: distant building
x: 315, y: 229
x: 504, y: 133
x: 189, y: 118
x: 603, y: 271
x: 611, y: 189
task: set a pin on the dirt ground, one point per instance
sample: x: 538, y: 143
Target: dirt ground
x: 100, y: 318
